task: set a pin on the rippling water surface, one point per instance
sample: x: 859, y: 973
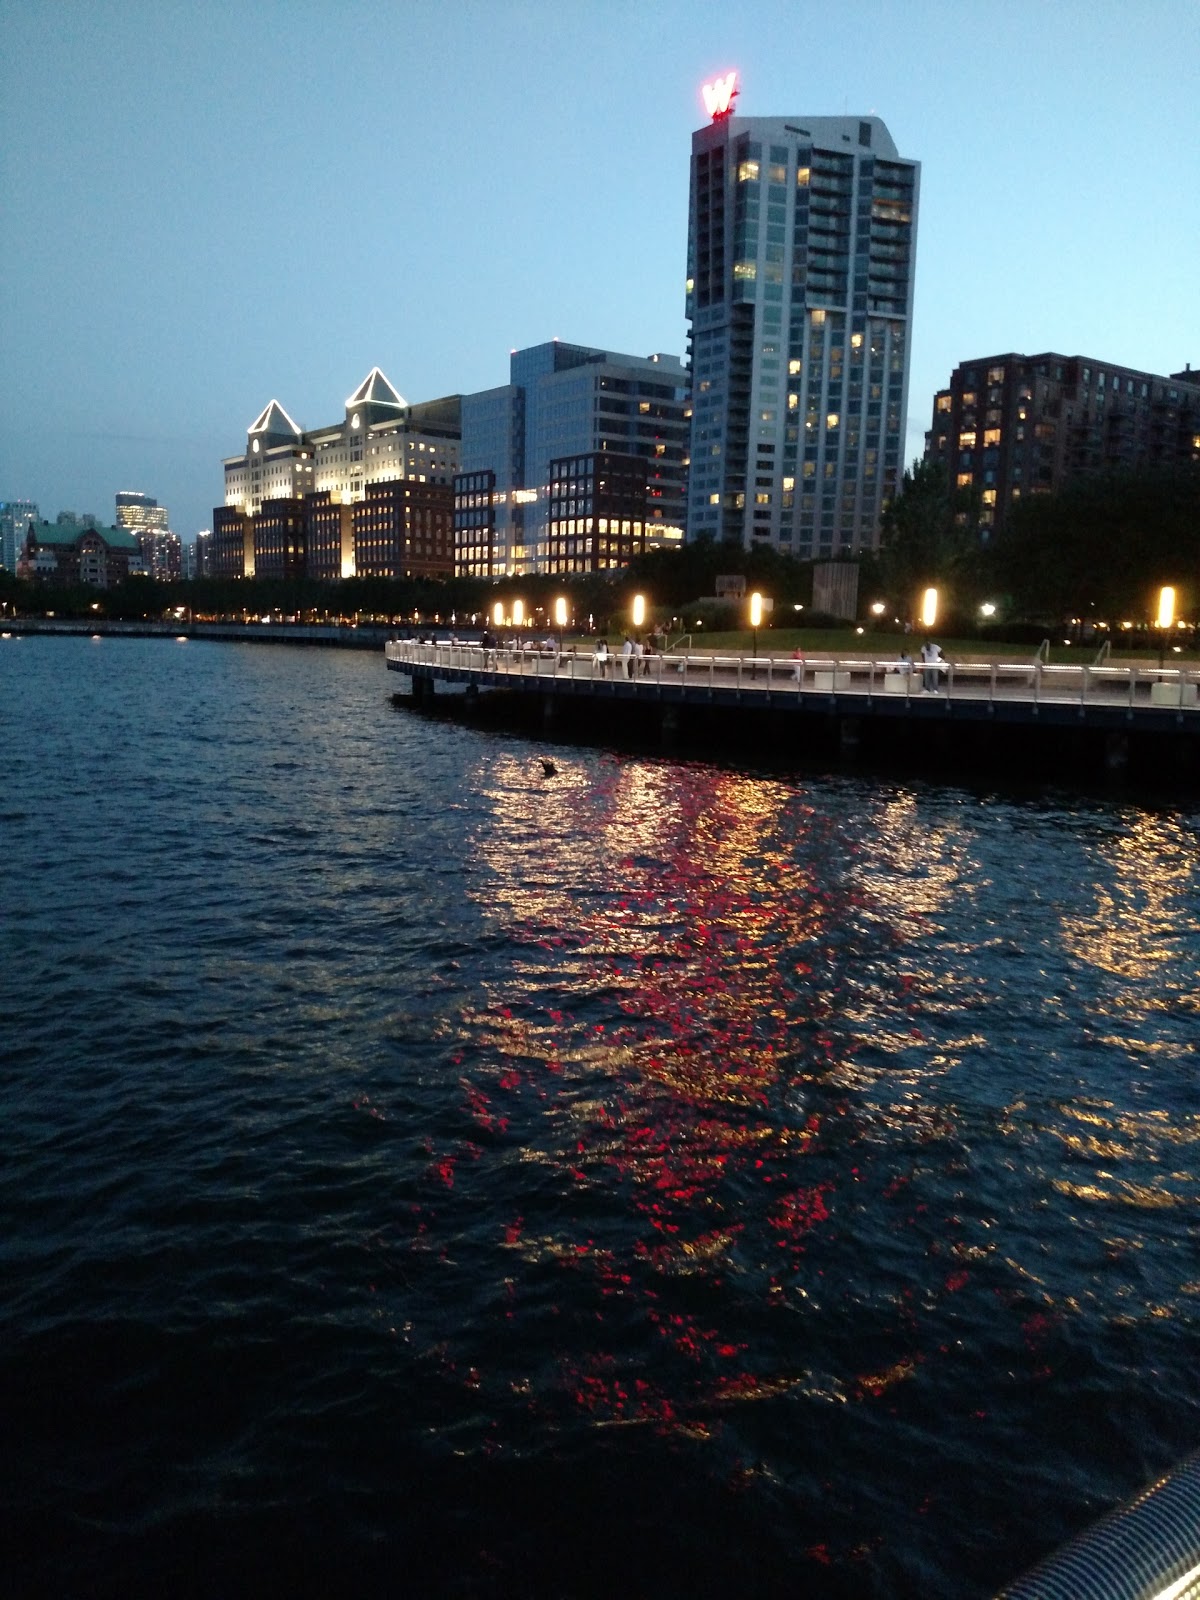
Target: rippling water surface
x: 425, y: 1177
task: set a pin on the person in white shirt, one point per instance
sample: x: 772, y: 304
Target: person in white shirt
x: 627, y: 657
x: 930, y: 654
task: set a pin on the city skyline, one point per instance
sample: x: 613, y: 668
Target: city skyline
x: 241, y: 224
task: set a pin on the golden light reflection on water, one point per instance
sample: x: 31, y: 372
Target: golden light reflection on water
x: 718, y: 1001
x: 1135, y: 929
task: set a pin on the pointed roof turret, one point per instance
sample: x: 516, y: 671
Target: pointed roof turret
x: 375, y: 398
x: 273, y: 426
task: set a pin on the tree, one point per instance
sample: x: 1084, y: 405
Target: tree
x: 1103, y: 546
x: 929, y: 537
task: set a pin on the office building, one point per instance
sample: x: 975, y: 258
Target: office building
x: 570, y: 416
x: 369, y: 495
x: 1009, y: 426
x: 801, y: 249
x: 161, y: 549
x: 15, y: 517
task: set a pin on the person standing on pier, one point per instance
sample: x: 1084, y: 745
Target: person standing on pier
x: 627, y: 658
x: 931, y: 657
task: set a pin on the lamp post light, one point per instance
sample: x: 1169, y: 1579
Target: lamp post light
x: 639, y: 610
x: 498, y: 614
x: 756, y: 611
x: 518, y: 613
x: 560, y: 618
x: 987, y: 609
x: 1166, y: 617
x: 929, y: 607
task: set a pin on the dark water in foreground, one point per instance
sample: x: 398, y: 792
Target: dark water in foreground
x: 420, y: 1177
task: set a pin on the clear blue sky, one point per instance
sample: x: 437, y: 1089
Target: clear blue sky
x: 209, y: 205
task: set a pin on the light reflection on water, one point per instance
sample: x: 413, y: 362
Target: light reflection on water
x: 824, y: 1145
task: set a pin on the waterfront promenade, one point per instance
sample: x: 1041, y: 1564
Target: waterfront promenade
x: 339, y: 635
x: 1103, y: 713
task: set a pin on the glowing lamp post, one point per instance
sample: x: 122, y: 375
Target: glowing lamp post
x: 1166, y: 617
x: 639, y: 610
x: 560, y: 618
x: 929, y: 604
x: 756, y: 609
x: 498, y: 613
x: 518, y: 613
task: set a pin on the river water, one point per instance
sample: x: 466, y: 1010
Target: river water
x: 424, y: 1176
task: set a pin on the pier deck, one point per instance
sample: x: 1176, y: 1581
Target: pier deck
x: 1105, y: 698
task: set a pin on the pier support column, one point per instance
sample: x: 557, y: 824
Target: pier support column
x: 1116, y: 752
x: 849, y: 736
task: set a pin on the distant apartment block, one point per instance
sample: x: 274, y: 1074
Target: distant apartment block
x: 576, y: 464
x: 801, y: 254
x: 70, y: 553
x: 369, y: 495
x: 15, y: 517
x: 1010, y: 426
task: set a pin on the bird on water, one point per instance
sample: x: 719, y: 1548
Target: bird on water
x: 548, y: 767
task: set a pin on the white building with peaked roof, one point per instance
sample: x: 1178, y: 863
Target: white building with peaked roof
x: 381, y: 438
x: 277, y: 464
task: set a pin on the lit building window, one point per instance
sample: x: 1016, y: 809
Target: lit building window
x: 745, y: 270
x: 803, y: 174
x: 943, y: 402
x: 966, y: 441
x: 995, y: 375
x: 991, y: 436
x: 965, y: 480
x: 831, y: 421
x: 747, y: 172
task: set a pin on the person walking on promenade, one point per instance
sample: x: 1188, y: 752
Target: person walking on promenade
x: 627, y: 657
x: 931, y: 657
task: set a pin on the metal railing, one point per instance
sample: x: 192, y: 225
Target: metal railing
x: 853, y: 677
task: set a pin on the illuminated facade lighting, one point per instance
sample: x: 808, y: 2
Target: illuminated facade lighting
x: 929, y: 608
x: 800, y: 271
x: 1166, y: 607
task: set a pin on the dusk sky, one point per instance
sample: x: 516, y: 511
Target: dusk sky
x: 209, y: 206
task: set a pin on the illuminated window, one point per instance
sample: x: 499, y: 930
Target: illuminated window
x: 745, y: 270
x: 969, y: 398
x: 747, y: 172
x: 714, y: 499
x: 991, y: 436
x: 966, y: 441
x: 995, y: 375
x: 943, y: 400
x: 793, y: 367
x: 965, y: 480
x: 989, y: 497
x: 803, y: 174
x: 762, y: 499
x: 793, y: 401
x: 856, y: 340
x: 817, y: 318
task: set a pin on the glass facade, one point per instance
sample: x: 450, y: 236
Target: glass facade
x: 800, y: 285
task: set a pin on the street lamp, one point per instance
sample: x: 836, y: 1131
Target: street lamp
x: 639, y: 610
x: 929, y: 605
x: 987, y: 609
x: 1166, y: 617
x: 560, y: 618
x: 756, y: 609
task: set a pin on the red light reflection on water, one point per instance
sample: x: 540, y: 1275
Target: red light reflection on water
x: 671, y: 1037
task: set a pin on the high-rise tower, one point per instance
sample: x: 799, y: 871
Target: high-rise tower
x: 801, y: 246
